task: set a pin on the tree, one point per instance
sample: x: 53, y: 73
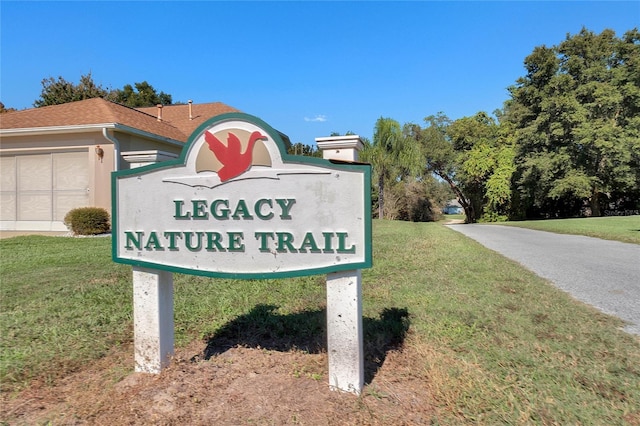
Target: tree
x: 439, y: 157
x: 142, y: 95
x: 485, y: 156
x: 61, y: 91
x: 3, y: 109
x: 417, y: 200
x: 305, y: 150
x: 576, y: 121
x: 391, y: 156
x: 474, y: 156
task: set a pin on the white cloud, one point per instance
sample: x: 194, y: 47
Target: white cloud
x: 318, y: 118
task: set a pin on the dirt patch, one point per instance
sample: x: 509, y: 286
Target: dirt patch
x: 454, y: 222
x: 11, y: 234
x: 239, y: 386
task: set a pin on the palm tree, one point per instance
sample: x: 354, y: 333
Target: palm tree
x: 391, y: 155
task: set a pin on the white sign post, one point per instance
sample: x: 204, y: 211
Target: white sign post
x: 344, y: 297
x: 152, y: 319
x: 235, y: 204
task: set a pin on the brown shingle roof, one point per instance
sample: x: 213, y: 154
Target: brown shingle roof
x: 100, y: 111
x: 178, y: 115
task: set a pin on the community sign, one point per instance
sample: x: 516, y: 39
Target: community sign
x: 235, y: 204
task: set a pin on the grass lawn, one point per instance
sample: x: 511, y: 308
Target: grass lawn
x: 619, y: 228
x: 493, y: 343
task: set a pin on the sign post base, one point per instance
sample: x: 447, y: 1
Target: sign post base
x: 344, y: 331
x: 152, y: 319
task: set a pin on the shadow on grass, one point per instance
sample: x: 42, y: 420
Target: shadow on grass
x: 264, y: 328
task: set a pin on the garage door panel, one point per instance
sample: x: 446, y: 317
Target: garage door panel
x: 8, y: 175
x: 63, y: 203
x: 34, y: 172
x: 34, y: 206
x: 8, y: 188
x: 70, y: 171
x: 8, y: 206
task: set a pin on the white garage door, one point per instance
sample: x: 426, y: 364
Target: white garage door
x: 37, y: 190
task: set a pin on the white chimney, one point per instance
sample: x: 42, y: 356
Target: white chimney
x: 190, y: 110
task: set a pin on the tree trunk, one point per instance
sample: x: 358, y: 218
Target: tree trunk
x: 469, y: 212
x: 595, y: 204
x: 381, y: 196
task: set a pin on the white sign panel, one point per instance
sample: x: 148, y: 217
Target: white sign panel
x: 235, y: 204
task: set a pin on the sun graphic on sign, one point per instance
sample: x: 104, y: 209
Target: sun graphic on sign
x: 231, y: 152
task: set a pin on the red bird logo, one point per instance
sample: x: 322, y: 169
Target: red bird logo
x: 234, y: 161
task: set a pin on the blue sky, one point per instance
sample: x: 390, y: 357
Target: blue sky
x: 306, y: 68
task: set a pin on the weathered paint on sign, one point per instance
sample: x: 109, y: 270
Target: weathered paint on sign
x: 235, y: 204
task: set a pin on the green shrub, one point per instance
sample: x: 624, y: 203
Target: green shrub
x: 493, y: 217
x: 88, y: 221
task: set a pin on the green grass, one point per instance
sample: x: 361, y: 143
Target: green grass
x: 618, y: 228
x: 492, y: 342
x: 62, y: 302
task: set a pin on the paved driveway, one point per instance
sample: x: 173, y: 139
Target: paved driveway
x: 604, y: 274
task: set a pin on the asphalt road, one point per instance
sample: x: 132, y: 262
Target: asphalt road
x: 604, y: 274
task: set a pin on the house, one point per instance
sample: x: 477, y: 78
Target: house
x: 453, y: 207
x: 60, y: 157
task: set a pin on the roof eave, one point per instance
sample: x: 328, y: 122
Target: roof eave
x: 83, y: 128
x: 51, y: 130
x: 138, y: 132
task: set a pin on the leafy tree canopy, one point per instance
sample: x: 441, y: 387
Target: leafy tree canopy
x: 462, y: 154
x: 60, y: 91
x: 142, y: 95
x: 576, y: 122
